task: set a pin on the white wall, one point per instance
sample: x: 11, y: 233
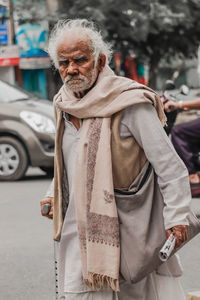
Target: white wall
x: 7, y: 74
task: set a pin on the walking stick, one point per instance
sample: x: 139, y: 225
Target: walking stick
x: 46, y: 208
x: 56, y: 245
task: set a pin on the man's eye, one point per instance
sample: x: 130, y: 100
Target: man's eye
x: 80, y: 60
x: 63, y: 63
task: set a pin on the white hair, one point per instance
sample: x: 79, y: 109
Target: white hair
x: 97, y: 44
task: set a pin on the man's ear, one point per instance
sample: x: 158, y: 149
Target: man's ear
x: 101, y: 62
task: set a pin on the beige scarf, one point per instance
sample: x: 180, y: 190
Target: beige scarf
x: 96, y: 211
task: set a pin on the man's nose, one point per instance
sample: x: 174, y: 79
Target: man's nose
x: 72, y: 69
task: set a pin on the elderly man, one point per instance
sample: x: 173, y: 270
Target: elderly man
x: 107, y: 128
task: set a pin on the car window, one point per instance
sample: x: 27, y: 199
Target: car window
x: 9, y: 93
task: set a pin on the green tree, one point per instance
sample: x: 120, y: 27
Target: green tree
x: 29, y: 11
x: 150, y: 29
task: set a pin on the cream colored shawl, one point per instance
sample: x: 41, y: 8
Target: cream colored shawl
x: 96, y: 211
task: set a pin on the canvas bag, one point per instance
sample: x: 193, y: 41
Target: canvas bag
x: 142, y: 232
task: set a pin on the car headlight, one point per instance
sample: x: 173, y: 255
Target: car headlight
x: 38, y: 122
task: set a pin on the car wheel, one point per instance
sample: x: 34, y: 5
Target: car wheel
x: 13, y: 159
x: 48, y: 170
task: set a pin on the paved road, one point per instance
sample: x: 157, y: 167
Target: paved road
x: 26, y: 252
x: 190, y: 254
x: 26, y: 248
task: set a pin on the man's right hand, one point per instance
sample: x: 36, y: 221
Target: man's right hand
x: 180, y: 233
x: 45, y: 201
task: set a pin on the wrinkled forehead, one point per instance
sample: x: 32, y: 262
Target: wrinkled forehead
x: 76, y: 40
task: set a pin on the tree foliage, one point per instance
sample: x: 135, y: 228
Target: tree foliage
x: 151, y: 29
x: 29, y: 11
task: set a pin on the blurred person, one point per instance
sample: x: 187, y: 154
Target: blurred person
x: 134, y: 69
x: 108, y: 127
x: 186, y: 140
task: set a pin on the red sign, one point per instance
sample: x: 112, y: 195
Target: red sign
x: 9, y: 56
x: 12, y: 61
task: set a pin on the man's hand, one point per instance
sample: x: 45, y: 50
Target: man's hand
x: 170, y: 106
x: 44, y: 201
x: 180, y: 232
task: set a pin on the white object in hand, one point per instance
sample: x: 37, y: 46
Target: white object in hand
x: 167, y: 248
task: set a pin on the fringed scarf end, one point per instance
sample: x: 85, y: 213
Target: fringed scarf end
x: 97, y: 282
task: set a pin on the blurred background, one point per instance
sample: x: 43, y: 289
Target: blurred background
x: 153, y: 41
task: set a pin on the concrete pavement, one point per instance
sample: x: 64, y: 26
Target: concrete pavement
x: 26, y: 248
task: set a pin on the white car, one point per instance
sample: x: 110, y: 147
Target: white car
x: 27, y: 132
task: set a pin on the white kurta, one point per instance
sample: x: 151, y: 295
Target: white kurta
x: 154, y: 286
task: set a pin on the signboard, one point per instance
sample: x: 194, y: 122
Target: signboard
x: 34, y: 63
x: 9, y: 56
x: 4, y: 32
x: 3, y: 11
x: 32, y: 39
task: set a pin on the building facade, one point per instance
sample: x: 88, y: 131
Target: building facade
x: 23, y: 42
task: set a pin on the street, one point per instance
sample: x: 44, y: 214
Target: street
x: 26, y: 249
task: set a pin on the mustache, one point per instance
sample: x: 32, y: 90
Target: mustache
x: 72, y: 77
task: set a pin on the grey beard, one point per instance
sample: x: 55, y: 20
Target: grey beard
x: 84, y: 84
x: 77, y: 87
